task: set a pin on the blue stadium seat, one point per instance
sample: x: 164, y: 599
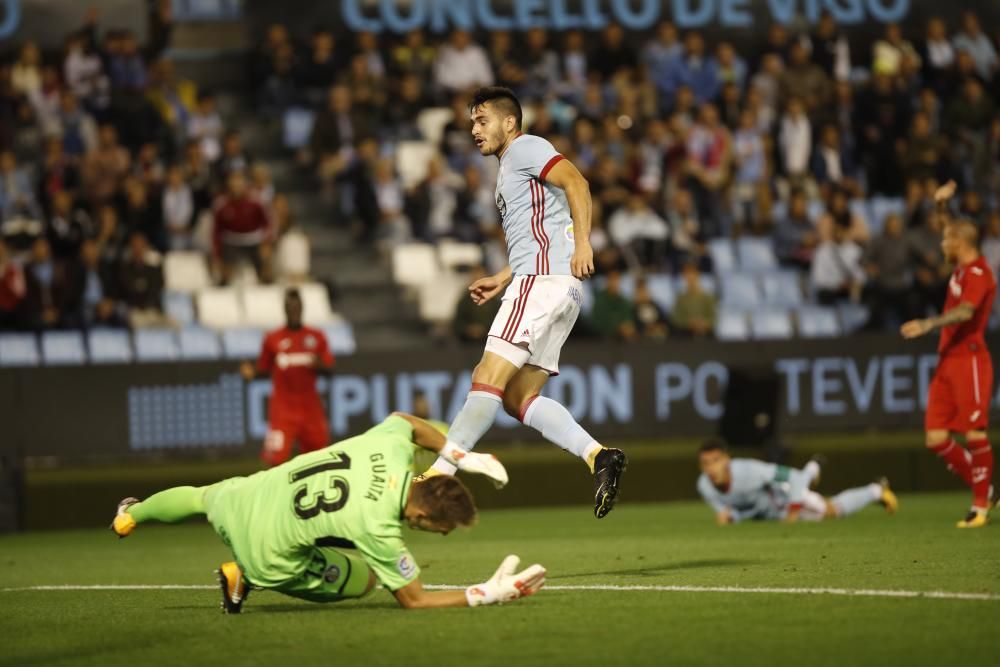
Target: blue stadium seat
x: 781, y: 288
x: 815, y: 209
x: 771, y: 324
x: 756, y: 254
x: 242, y: 343
x: 731, y: 324
x: 882, y: 207
x: 661, y: 290
x: 109, y: 346
x: 63, y: 348
x: 723, y: 257
x: 861, y: 209
x: 588, y: 297
x: 739, y: 290
x: 340, y: 338
x: 179, y: 306
x: 708, y: 284
x: 628, y: 286
x: 199, y: 344
x: 853, y: 316
x: 156, y: 345
x: 818, y: 322
x: 779, y: 211
x: 18, y: 350
x: 297, y: 127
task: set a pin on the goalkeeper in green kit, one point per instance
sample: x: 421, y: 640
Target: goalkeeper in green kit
x: 327, y: 525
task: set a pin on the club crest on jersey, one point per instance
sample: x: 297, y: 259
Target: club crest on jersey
x: 406, y: 566
x: 331, y: 574
x: 285, y: 343
x: 501, y: 205
x: 310, y: 341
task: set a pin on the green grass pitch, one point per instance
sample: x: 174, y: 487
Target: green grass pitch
x: 638, y: 545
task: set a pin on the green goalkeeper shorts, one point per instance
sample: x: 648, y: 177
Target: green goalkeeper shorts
x: 332, y: 575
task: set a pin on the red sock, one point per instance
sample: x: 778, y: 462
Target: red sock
x: 982, y: 472
x: 957, y: 459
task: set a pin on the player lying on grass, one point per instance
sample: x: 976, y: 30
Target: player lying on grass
x: 323, y: 526
x: 747, y: 489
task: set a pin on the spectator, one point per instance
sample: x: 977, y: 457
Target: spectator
x: 687, y: 238
x: 729, y: 67
x: 174, y: 98
x: 695, y: 310
x: 795, y: 236
x: 883, y: 114
x: 234, y: 157
x: 890, y: 52
x: 502, y: 59
x: 400, y: 118
x: 890, y: 278
x: 925, y: 154
x: 839, y: 214
x: 709, y: 152
x: 475, y: 207
x: 639, y: 232
x: 77, y: 127
x: 472, y: 323
x: 612, y: 313
x: 394, y: 227
x: 337, y: 130
x: 969, y: 119
x: 368, y: 91
x: 830, y: 48
x: 143, y: 212
x: 204, y: 126
x: 26, y: 72
x: 126, y: 65
x: 574, y: 66
x: 49, y: 288
x: 694, y: 70
x: 930, y: 271
x: 111, y: 234
x: 67, y: 227
x: 140, y: 284
x: 973, y: 41
x: 84, y: 73
x: 93, y: 301
x: 148, y: 167
x: 17, y: 195
x: 837, y: 274
x: 660, y: 54
x: 650, y: 320
x: 12, y: 289
x: 414, y: 56
x: 461, y: 64
x: 937, y: 56
x: 795, y: 142
x: 833, y: 164
x: 750, y: 157
x: 613, y: 55
x: 105, y: 167
x: 242, y: 230
x: 368, y: 50
x: 804, y: 80
x: 178, y: 210
x: 540, y: 65
x: 261, y: 186
x: 198, y: 176
x: 766, y: 84
x: 276, y: 39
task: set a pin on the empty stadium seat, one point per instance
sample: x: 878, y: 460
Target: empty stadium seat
x: 454, y: 255
x: 316, y: 309
x: 414, y: 264
x: 431, y: 123
x: 818, y: 322
x: 179, y: 306
x: 723, y: 257
x: 740, y: 290
x: 815, y: 209
x: 263, y: 306
x: 199, y: 344
x: 707, y: 280
x: 771, y: 324
x: 853, y: 316
x: 731, y: 324
x: 340, y: 338
x: 219, y: 308
x: 109, y: 346
x: 185, y: 271
x: 242, y: 343
x: 156, y: 345
x: 439, y: 299
x: 63, y: 348
x: 18, y: 350
x: 756, y: 254
x: 661, y: 290
x: 297, y: 125
x: 411, y: 161
x: 781, y: 288
x: 881, y: 208
x: 861, y: 209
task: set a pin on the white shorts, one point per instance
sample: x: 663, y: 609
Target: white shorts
x: 539, y: 311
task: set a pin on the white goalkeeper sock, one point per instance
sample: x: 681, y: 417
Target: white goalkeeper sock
x: 558, y: 426
x: 854, y: 500
x: 472, y: 421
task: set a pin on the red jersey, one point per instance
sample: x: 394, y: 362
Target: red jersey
x: 975, y: 285
x: 288, y: 355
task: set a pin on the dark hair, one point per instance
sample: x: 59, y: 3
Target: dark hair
x: 293, y: 293
x: 502, y: 98
x: 446, y: 500
x: 714, y: 445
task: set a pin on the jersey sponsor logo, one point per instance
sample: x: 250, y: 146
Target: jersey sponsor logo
x: 406, y: 566
x: 289, y: 359
x: 975, y: 415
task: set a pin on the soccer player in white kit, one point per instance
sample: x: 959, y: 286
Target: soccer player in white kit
x: 545, y: 209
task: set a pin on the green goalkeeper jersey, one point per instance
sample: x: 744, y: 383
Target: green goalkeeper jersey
x: 350, y: 495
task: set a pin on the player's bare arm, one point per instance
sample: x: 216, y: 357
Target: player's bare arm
x: 428, y: 437
x: 963, y: 312
x: 566, y: 176
x: 486, y: 288
x: 505, y: 585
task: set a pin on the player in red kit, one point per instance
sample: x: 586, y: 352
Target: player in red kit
x: 293, y: 356
x: 958, y: 401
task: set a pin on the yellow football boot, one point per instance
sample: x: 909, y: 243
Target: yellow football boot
x: 235, y: 588
x: 888, y: 499
x: 976, y: 518
x: 123, y: 523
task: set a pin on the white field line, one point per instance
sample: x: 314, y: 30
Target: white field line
x: 846, y: 592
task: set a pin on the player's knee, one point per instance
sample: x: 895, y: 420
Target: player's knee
x: 973, y: 436
x: 935, y: 438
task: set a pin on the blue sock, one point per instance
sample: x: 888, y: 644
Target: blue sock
x: 472, y: 422
x: 558, y: 426
x: 854, y: 500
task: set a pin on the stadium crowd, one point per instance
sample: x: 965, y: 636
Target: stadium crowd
x: 682, y: 142
x: 108, y: 160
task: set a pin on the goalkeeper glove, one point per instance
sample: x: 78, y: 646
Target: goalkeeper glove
x: 505, y: 585
x: 484, y: 464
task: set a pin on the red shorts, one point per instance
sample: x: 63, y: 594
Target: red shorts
x: 960, y: 394
x: 310, y: 432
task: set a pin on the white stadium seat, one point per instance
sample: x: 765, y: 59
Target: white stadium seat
x: 454, y: 255
x: 818, y: 322
x: 781, y: 288
x: 740, y: 290
x: 439, y: 299
x: 219, y: 308
x: 412, y: 158
x: 185, y: 272
x: 316, y: 309
x: 661, y: 290
x: 771, y: 324
x: 431, y: 123
x: 723, y: 257
x: 18, y: 350
x: 179, y: 306
x: 263, y: 306
x: 756, y: 254
x: 63, y: 348
x: 731, y: 324
x: 199, y: 344
x: 154, y: 345
x: 109, y: 346
x: 414, y: 264
x: 297, y: 125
